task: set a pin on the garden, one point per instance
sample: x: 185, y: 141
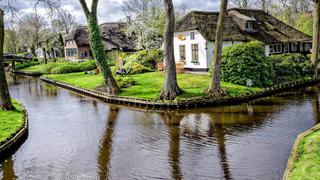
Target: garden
x: 240, y: 63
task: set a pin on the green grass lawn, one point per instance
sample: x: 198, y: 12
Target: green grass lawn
x: 33, y: 69
x: 307, y: 167
x: 148, y: 85
x: 10, y: 121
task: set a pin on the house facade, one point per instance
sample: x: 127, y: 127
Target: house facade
x: 77, y: 45
x: 194, y: 37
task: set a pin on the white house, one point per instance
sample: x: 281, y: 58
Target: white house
x: 195, y: 35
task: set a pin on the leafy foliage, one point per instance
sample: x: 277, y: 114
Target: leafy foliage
x: 245, y: 61
x: 142, y: 61
x: 125, y: 82
x: 289, y: 67
x: 25, y: 65
x: 69, y: 67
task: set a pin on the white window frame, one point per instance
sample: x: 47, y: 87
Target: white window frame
x: 307, y: 46
x: 294, y: 46
x: 249, y: 25
x: 192, y: 36
x: 302, y: 48
x: 286, y: 48
x: 275, y: 48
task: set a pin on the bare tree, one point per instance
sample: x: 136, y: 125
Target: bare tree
x: 215, y: 86
x: 64, y: 22
x: 5, y: 98
x: 243, y: 3
x: 170, y: 89
x: 316, y: 36
x: 97, y: 46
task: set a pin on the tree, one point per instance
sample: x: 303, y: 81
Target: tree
x: 146, y: 21
x: 243, y: 3
x: 5, y: 98
x: 215, y: 86
x: 97, y: 46
x: 170, y: 89
x: 316, y: 36
x: 63, y: 22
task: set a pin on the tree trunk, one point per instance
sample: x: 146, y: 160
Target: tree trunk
x: 215, y: 86
x: 170, y: 89
x: 98, y: 52
x: 5, y: 99
x: 45, y: 55
x: 316, y: 36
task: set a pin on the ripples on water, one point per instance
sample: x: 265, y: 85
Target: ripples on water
x: 73, y: 137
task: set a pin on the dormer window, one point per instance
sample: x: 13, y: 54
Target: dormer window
x: 192, y: 36
x: 250, y: 25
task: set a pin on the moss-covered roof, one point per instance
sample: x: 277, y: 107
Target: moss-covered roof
x: 269, y: 29
x: 113, y: 36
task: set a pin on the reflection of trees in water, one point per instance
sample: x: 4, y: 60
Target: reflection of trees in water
x: 8, y: 169
x: 106, y: 144
x: 217, y: 129
x: 50, y: 91
x: 316, y: 108
x: 172, y: 120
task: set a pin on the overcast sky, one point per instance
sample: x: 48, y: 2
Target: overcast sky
x: 111, y: 10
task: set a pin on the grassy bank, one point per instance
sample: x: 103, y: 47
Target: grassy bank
x: 307, y: 166
x: 148, y: 85
x: 33, y: 69
x: 10, y: 121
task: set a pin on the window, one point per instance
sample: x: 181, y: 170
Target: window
x: 308, y: 46
x: 301, y: 47
x: 249, y: 25
x: 294, y: 46
x: 85, y: 54
x: 192, y: 37
x: 286, y: 48
x: 182, y: 50
x: 195, y: 53
x: 276, y: 48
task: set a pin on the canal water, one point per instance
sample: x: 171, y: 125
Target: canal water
x: 75, y: 137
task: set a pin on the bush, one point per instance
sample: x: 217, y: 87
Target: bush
x: 65, y: 68
x: 245, y: 61
x: 87, y: 65
x: 48, y: 67
x: 142, y: 61
x: 125, y: 82
x: 289, y: 67
x: 25, y: 65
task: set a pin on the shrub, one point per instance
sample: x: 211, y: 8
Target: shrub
x: 48, y: 67
x: 65, y: 68
x: 125, y: 82
x: 25, y: 65
x: 142, y: 61
x: 289, y: 67
x: 245, y: 61
x: 87, y: 65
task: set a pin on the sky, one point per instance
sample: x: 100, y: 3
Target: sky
x: 110, y: 10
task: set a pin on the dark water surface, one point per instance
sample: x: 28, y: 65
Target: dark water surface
x: 74, y: 137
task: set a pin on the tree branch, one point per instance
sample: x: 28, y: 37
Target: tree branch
x: 94, y: 6
x: 85, y: 7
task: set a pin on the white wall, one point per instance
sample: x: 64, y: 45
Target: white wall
x: 202, y: 49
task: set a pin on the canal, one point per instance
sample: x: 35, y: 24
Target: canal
x: 75, y: 137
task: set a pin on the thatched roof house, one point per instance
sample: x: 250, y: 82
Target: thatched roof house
x: 196, y: 31
x: 113, y: 36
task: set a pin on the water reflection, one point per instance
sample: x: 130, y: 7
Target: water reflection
x: 316, y: 108
x: 8, y: 170
x: 172, y: 120
x: 105, y: 150
x: 216, y: 127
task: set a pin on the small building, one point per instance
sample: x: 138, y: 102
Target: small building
x: 195, y: 35
x: 77, y: 45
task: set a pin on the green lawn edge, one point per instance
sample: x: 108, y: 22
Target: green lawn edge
x: 307, y: 165
x: 33, y: 69
x: 11, y: 121
x: 148, y: 85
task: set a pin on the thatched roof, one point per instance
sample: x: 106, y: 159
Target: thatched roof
x: 113, y: 36
x: 269, y: 29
